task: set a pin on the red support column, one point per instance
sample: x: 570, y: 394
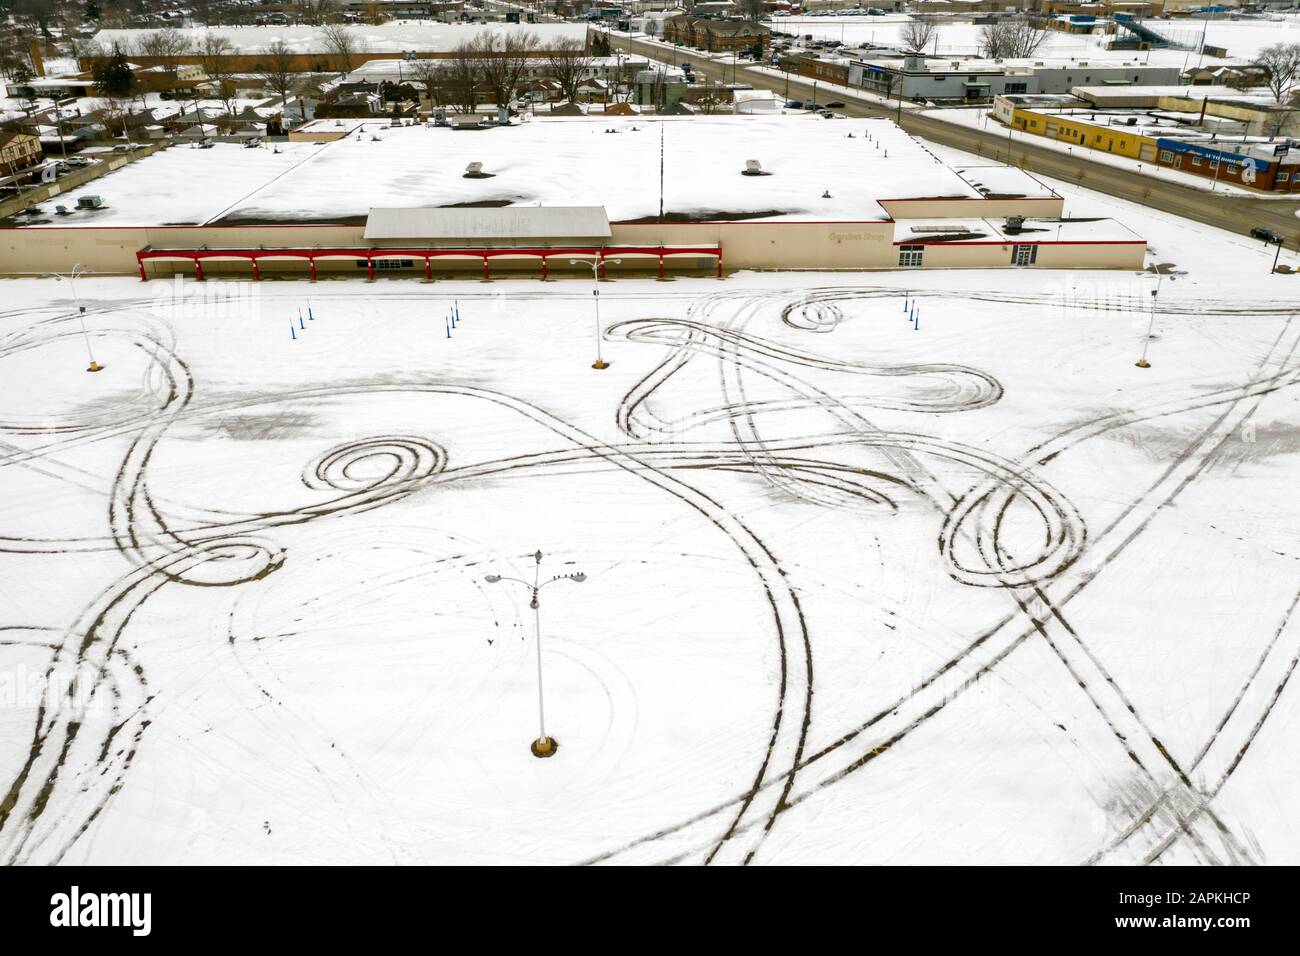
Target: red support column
x: 257, y: 272
x: 311, y: 261
x: 719, y: 262
x: 428, y: 269
x: 140, y: 263
x: 486, y: 276
x: 546, y: 273
x: 661, y: 267
x: 370, y: 269
x: 198, y: 269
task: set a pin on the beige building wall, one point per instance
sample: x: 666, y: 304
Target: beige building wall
x: 776, y: 245
x: 1051, y: 255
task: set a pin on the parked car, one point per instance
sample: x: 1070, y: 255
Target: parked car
x: 835, y: 105
x: 793, y: 104
x: 1268, y: 235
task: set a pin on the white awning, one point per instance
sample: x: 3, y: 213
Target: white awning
x: 507, y: 222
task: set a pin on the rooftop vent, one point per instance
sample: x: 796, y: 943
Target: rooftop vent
x: 753, y: 168
x: 475, y: 171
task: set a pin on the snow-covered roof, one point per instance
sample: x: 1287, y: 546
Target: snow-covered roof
x: 552, y: 162
x: 381, y: 38
x: 511, y: 222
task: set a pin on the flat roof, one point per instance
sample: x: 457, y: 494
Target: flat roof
x: 541, y: 161
x: 951, y: 231
x: 394, y: 37
x: 510, y: 222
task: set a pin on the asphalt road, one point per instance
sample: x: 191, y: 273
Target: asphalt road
x: 1236, y: 213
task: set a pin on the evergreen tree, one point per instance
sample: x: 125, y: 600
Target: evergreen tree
x: 113, y: 77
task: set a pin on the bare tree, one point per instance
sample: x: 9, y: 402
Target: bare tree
x: 315, y: 12
x: 1011, y: 38
x: 430, y: 74
x: 713, y: 98
x: 752, y: 10
x: 505, y: 59
x: 167, y: 42
x: 215, y: 53
x: 341, y: 45
x: 1281, y: 65
x: 461, y: 76
x: 917, y: 34
x: 13, y: 52
x: 568, y: 64
x: 276, y: 69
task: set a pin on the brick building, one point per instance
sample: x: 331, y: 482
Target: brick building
x: 715, y: 35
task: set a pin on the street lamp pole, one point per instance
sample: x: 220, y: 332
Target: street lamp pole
x: 544, y: 745
x: 596, y: 265
x: 71, y: 277
x: 1142, y: 362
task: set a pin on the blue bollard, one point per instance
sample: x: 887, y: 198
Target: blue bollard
x: 292, y: 333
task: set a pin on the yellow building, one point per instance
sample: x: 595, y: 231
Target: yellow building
x: 1073, y: 129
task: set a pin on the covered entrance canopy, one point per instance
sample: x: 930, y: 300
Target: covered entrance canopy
x: 428, y: 233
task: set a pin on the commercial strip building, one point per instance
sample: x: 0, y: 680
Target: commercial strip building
x: 941, y: 80
x: 1176, y: 138
x: 729, y: 192
x: 540, y: 242
x: 1256, y: 115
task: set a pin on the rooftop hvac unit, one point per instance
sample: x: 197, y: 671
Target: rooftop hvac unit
x: 937, y: 230
x: 1015, y: 223
x: 89, y: 202
x: 753, y: 168
x: 475, y: 171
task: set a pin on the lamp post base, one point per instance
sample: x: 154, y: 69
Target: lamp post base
x: 600, y: 363
x: 94, y: 367
x: 544, y: 747
x: 1143, y: 363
